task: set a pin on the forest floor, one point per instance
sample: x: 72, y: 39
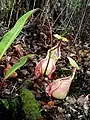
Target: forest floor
x: 35, y: 38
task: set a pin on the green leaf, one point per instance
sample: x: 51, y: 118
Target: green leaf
x: 17, y: 65
x: 64, y: 33
x: 73, y: 63
x: 5, y: 103
x: 60, y: 37
x: 10, y: 36
x: 57, y: 36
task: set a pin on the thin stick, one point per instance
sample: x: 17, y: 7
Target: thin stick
x: 18, y: 10
x: 44, y: 8
x: 53, y: 7
x: 50, y: 30
x: 81, y: 21
x: 68, y: 17
x: 71, y: 16
x: 2, y: 83
x: 33, y: 7
x: 11, y: 13
x: 59, y: 15
x: 47, y: 6
x: 34, y: 4
x: 14, y: 87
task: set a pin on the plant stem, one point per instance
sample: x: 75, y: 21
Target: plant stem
x: 73, y: 71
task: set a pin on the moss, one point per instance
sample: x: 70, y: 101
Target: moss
x: 31, y: 107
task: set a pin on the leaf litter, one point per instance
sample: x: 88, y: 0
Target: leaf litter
x: 35, y: 42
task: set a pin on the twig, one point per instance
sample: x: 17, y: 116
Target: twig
x: 53, y: 7
x: 11, y: 13
x: 14, y: 87
x: 71, y: 16
x: 59, y: 15
x: 33, y: 6
x: 81, y: 21
x: 2, y: 83
x: 68, y: 17
x: 47, y: 6
x: 18, y: 9
x: 50, y: 31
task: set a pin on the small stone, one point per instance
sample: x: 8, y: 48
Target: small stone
x: 16, y: 95
x: 85, y: 46
x: 28, y: 46
x: 34, y: 35
x: 68, y: 116
x: 25, y: 72
x: 86, y: 105
x: 61, y: 110
x: 46, y: 78
x: 74, y: 110
x: 88, y: 73
x: 86, y: 108
x: 19, y: 80
x: 80, y: 100
x: 81, y: 116
x: 71, y: 100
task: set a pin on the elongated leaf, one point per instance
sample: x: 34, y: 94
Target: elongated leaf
x: 10, y: 36
x: 73, y: 63
x: 60, y: 37
x: 57, y: 36
x: 17, y: 65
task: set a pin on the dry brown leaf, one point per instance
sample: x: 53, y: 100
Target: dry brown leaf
x: 14, y: 75
x: 19, y: 49
x: 51, y: 103
x: 14, y: 59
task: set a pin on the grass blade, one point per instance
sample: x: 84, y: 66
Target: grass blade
x: 17, y: 65
x: 10, y: 36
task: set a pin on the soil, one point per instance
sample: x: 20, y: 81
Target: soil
x: 35, y: 38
